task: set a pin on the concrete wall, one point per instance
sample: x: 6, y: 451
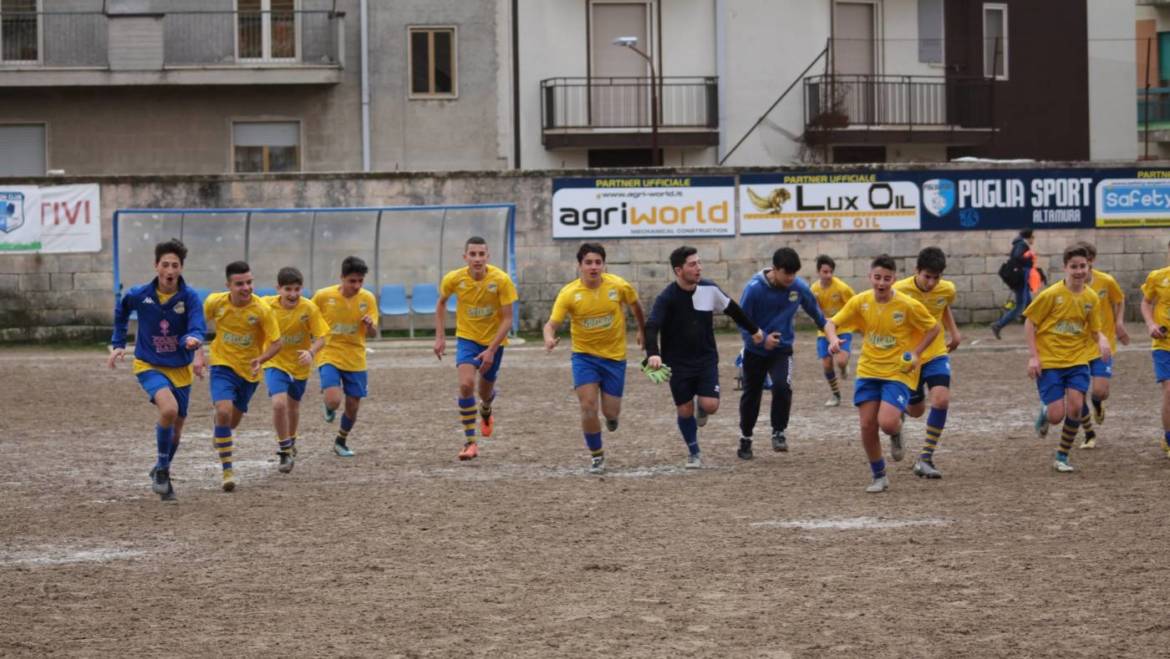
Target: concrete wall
x: 53, y: 296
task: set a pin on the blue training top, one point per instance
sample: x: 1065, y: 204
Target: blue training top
x: 773, y: 308
x: 163, y: 329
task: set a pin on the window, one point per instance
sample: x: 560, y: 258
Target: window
x: 22, y: 150
x: 19, y: 31
x: 267, y: 30
x: 995, y: 40
x: 432, y: 62
x: 930, y: 32
x: 267, y: 146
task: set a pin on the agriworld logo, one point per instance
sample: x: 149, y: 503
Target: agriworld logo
x: 596, y: 212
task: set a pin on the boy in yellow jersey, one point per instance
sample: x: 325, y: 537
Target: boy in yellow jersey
x: 934, y: 379
x: 302, y: 335
x: 170, y: 331
x: 1063, y: 330
x: 1111, y: 310
x: 832, y: 294
x: 594, y: 303
x: 1156, y: 312
x: 897, y: 330
x: 352, y: 314
x: 246, y: 336
x: 483, y: 317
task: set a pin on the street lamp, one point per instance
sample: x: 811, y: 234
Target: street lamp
x: 632, y: 44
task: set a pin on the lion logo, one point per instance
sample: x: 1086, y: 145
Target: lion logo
x: 773, y: 203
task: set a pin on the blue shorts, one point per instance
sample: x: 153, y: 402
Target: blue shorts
x: 934, y: 373
x: 280, y: 382
x: 823, y: 344
x: 466, y: 351
x: 1053, y: 382
x: 685, y: 386
x: 153, y: 382
x: 1161, y: 365
x: 226, y: 384
x: 353, y: 383
x: 591, y: 369
x: 887, y: 391
x: 1101, y: 368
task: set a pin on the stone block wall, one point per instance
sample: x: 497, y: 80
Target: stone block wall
x: 70, y: 295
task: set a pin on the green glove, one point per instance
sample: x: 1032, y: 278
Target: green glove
x: 656, y: 375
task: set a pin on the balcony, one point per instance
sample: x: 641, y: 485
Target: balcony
x: 887, y: 109
x: 95, y: 49
x: 614, y: 113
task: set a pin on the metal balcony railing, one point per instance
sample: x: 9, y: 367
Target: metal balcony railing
x: 624, y: 103
x: 904, y: 102
x: 53, y: 39
x: 1153, y: 108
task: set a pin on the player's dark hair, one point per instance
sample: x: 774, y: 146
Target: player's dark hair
x: 590, y: 248
x: 932, y: 260
x: 474, y: 240
x: 1075, y: 250
x: 236, y: 268
x: 678, y: 258
x: 825, y: 259
x: 352, y: 265
x: 288, y: 276
x: 884, y: 261
x: 786, y: 259
x: 1026, y: 234
x: 1090, y: 248
x: 172, y: 246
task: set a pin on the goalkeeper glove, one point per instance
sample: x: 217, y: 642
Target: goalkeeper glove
x: 656, y: 375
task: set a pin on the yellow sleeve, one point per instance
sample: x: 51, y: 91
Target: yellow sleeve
x: 560, y: 307
x: 1149, y: 290
x: 848, y: 315
x: 1114, y: 292
x: 268, y: 324
x: 447, y: 285
x: 846, y: 291
x: 920, y: 316
x: 317, y: 325
x: 629, y: 295
x: 1094, y: 317
x: 209, y: 307
x: 1038, y: 308
x: 508, y: 291
x: 372, y: 301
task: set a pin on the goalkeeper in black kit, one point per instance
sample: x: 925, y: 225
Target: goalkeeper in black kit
x: 682, y: 315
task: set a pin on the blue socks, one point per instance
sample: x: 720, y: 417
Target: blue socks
x: 162, y: 439
x: 878, y: 467
x: 593, y: 441
x: 689, y: 428
x: 1166, y: 438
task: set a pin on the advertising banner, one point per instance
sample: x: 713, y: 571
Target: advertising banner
x: 837, y: 203
x: 1134, y: 201
x: 50, y: 219
x: 643, y: 207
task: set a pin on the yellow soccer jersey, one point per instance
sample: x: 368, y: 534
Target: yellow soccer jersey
x: 891, y: 329
x: 832, y: 298
x: 477, y: 313
x: 180, y: 376
x: 240, y: 332
x: 298, y: 327
x: 345, y: 347
x: 1065, y: 322
x: 599, y: 322
x: 1157, y: 291
x: 936, y: 301
x: 1108, y: 294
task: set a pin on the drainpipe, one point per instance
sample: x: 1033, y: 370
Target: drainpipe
x: 721, y: 71
x: 365, y: 54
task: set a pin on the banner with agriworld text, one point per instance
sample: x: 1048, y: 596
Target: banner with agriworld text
x: 50, y: 219
x: 643, y: 207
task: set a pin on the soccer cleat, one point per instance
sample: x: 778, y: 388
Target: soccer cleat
x: 342, y: 450
x: 694, y: 462
x: 1089, y: 443
x: 486, y: 425
x: 229, y: 480
x: 597, y: 464
x: 330, y: 415
x: 835, y: 401
x: 897, y: 450
x: 611, y: 424
x: 286, y: 461
x: 779, y: 441
x: 1062, y: 466
x: 700, y: 414
x: 1041, y: 424
x: 879, y: 484
x: 745, y: 448
x: 1098, y: 412
x: 169, y: 495
x: 162, y: 480
x: 996, y: 329
x: 926, y: 469
x: 469, y: 452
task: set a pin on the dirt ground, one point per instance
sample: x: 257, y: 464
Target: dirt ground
x: 404, y: 551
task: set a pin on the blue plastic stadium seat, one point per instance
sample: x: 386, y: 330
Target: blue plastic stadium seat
x: 423, y: 299
x: 202, y: 293
x: 451, y: 301
x: 265, y: 292
x: 392, y: 301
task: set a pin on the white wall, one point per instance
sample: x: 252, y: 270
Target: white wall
x: 900, y: 46
x: 1112, y: 93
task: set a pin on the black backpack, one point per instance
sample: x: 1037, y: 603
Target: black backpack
x: 1012, y: 273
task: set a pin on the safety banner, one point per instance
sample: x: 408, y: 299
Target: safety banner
x: 50, y: 219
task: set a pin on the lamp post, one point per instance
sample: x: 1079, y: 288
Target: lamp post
x: 632, y: 44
